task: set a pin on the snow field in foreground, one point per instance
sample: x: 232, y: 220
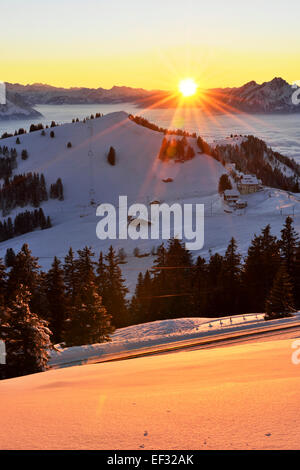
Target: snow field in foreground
x: 241, y: 397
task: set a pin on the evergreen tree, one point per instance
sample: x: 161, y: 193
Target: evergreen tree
x: 232, y: 279
x: 24, y: 154
x: 57, y: 304
x: 3, y: 281
x: 43, y: 189
x: 85, y: 266
x: 297, y: 277
x: 262, y: 263
x: 172, y: 281
x: 88, y: 321
x: 215, y: 289
x: 140, y: 305
x: 25, y: 271
x: 280, y: 302
x: 190, y: 154
x: 114, y: 297
x: 70, y: 276
x: 27, y: 337
x: 9, y: 257
x: 200, y: 288
x: 101, y: 277
x: 288, y: 246
x: 111, y: 157
x: 224, y: 183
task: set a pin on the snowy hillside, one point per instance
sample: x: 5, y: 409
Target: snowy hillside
x: 139, y: 174
x: 151, y: 336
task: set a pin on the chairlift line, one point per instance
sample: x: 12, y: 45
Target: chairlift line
x: 91, y: 164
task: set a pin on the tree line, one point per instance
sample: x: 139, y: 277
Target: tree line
x: 178, y: 150
x: 81, y: 301
x: 8, y: 162
x: 24, y: 222
x: 149, y: 125
x: 76, y: 302
x: 223, y: 285
x: 27, y: 188
x: 253, y: 156
x: 40, y: 126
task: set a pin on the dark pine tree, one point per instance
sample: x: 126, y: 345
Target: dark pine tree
x: 25, y: 271
x: 70, y: 276
x: 280, y: 302
x: 88, y: 321
x: 9, y: 257
x: 232, y: 279
x: 24, y: 154
x: 288, y: 247
x: 3, y: 284
x: 224, y: 183
x: 261, y: 266
x: 101, y: 277
x: 172, y: 293
x: 215, y: 285
x: 57, y: 302
x: 140, y: 305
x: 27, y: 337
x: 200, y: 288
x: 114, y: 298
x: 111, y: 157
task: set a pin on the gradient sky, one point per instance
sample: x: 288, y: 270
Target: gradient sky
x: 149, y: 44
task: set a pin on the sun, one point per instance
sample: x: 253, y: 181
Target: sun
x: 187, y: 87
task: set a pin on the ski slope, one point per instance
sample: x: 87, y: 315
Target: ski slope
x: 241, y: 397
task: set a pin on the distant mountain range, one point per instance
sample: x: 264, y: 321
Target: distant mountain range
x: 46, y: 94
x: 269, y: 97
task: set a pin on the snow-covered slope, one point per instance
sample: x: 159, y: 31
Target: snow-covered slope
x: 139, y: 174
x: 161, y: 334
x: 241, y: 397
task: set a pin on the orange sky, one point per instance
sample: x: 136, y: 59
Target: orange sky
x: 150, y: 45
